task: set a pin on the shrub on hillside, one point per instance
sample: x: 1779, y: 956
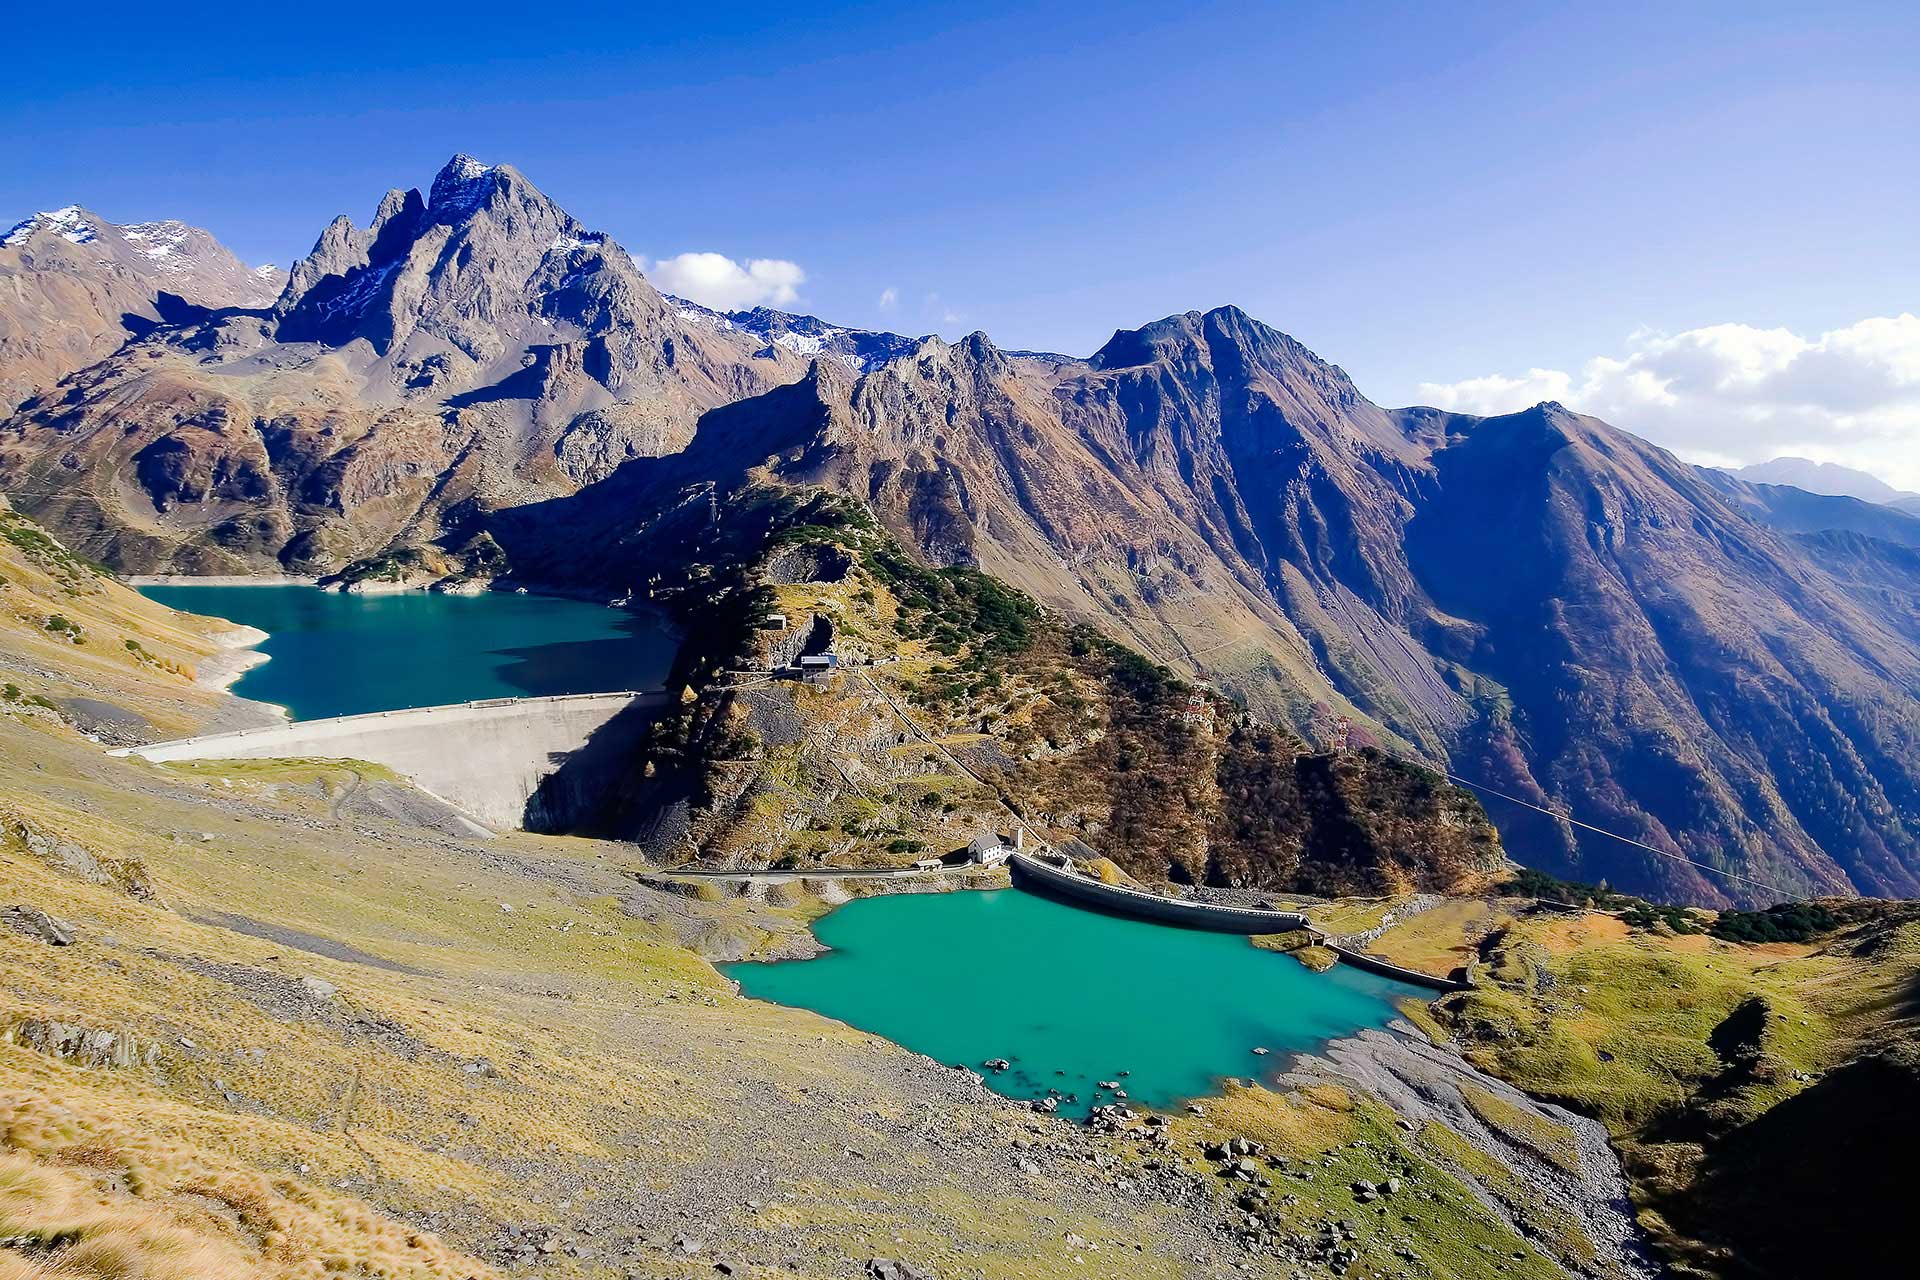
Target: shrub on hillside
x: 1784, y: 922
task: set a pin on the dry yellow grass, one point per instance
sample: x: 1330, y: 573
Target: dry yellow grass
x: 1564, y: 935
x: 623, y: 1066
x: 1442, y: 938
x: 132, y: 651
x: 118, y: 1202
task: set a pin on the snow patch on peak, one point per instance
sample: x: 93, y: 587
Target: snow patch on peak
x: 694, y: 313
x: 161, y: 241
x: 806, y: 344
x: 809, y: 337
x: 565, y: 243
x: 459, y: 186
x: 464, y: 168
x: 70, y: 222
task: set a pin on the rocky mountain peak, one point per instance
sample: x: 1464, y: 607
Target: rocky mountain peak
x: 398, y: 207
x: 1222, y: 339
x: 979, y: 349
x: 461, y: 183
x: 204, y: 270
x: 463, y: 267
x: 72, y: 223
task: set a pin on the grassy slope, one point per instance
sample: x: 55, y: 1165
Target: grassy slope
x: 1689, y: 1049
x: 629, y: 1076
x: 40, y: 581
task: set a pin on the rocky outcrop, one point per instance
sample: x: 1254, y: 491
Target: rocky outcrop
x: 809, y: 562
x: 38, y: 925
x: 88, y: 1046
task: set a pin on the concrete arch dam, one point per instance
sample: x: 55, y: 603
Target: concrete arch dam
x: 505, y: 762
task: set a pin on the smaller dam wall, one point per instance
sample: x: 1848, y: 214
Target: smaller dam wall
x: 486, y: 758
x: 1388, y: 969
x: 1044, y: 877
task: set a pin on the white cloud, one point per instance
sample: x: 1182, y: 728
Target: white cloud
x: 889, y: 298
x: 1731, y: 393
x: 715, y: 280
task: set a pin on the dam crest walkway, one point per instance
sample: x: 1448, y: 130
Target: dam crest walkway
x: 488, y: 758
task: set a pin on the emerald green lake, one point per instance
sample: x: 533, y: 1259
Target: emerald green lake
x: 1069, y: 997
x: 333, y: 655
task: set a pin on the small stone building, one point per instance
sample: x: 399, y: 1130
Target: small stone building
x: 988, y: 849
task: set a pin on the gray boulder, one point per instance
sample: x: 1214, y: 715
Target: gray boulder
x: 894, y: 1269
x: 36, y: 923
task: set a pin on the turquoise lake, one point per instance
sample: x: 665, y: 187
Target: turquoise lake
x: 1069, y: 997
x: 333, y: 655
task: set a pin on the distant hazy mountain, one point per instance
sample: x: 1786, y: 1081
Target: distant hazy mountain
x: 1794, y: 509
x: 74, y: 286
x: 1829, y: 478
x: 1724, y: 671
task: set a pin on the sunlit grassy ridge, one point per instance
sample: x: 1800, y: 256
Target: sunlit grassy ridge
x: 68, y: 629
x: 1695, y: 1051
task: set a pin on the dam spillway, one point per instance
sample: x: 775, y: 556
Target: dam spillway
x: 505, y: 762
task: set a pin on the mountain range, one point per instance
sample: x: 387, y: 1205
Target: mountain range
x: 1830, y: 478
x: 1718, y: 670
x: 77, y: 286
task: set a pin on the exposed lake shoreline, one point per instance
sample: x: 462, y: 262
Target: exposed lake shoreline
x: 237, y: 653
x: 138, y: 580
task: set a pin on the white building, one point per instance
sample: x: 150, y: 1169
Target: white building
x: 988, y: 849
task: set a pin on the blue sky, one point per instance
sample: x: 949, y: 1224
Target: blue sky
x: 1445, y: 199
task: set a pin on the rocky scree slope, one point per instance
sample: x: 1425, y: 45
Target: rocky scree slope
x: 73, y: 287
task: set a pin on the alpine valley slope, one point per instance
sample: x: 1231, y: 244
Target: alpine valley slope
x: 1563, y: 611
